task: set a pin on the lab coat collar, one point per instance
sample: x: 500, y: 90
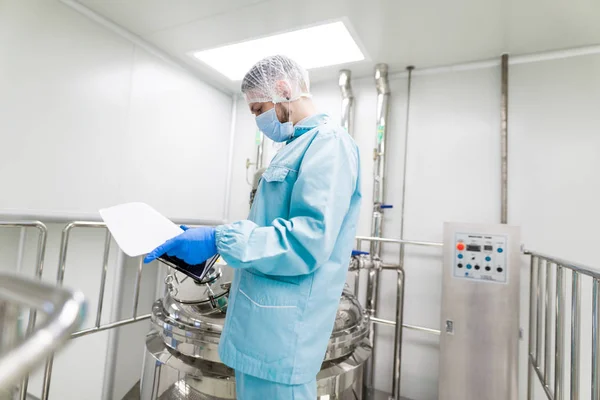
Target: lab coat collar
x: 309, y: 123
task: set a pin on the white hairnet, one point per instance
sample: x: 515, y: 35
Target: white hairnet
x: 276, y: 79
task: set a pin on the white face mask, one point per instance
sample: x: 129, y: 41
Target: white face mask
x: 269, y: 124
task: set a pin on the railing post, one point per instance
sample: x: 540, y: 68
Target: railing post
x: 575, y: 334
x: 538, y: 315
x: 548, y: 325
x: 596, y: 341
x: 559, y: 334
x: 532, y: 326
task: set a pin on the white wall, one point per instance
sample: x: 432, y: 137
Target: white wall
x: 453, y: 174
x: 87, y: 119
x: 555, y: 172
x: 91, y: 120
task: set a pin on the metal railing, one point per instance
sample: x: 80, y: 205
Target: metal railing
x: 98, y: 327
x: 62, y: 264
x: 545, y: 292
x: 375, y: 265
x: 65, y: 313
x: 39, y: 269
x: 542, y: 290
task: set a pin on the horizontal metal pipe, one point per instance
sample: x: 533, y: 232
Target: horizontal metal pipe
x: 110, y: 326
x: 593, y: 272
x: 399, y: 241
x: 95, y: 217
x: 422, y: 329
x: 382, y: 321
x: 390, y: 266
x: 63, y: 308
x: 23, y: 224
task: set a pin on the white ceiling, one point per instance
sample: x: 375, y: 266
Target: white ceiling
x: 423, y: 33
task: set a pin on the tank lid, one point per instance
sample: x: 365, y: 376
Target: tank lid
x: 194, y: 328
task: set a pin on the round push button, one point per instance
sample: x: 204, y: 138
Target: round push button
x: 500, y: 249
x: 460, y: 246
x: 469, y: 266
x: 488, y: 259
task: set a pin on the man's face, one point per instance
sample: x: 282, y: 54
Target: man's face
x: 281, y: 110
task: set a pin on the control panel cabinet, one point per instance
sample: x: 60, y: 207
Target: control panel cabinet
x: 480, y: 312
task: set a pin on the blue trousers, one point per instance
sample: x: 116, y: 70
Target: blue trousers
x: 251, y: 388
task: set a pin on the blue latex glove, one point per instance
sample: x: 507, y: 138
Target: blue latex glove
x: 194, y: 246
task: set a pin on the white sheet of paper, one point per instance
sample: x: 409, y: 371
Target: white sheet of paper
x: 138, y: 228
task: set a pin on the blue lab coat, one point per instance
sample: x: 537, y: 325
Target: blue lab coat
x: 291, y: 256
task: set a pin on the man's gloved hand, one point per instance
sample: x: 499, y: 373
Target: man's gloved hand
x: 194, y: 246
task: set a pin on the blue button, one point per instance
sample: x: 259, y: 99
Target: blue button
x: 466, y: 274
x: 460, y: 256
x: 469, y: 266
x: 488, y: 259
x: 500, y: 250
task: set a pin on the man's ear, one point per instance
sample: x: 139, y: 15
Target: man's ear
x: 283, y: 89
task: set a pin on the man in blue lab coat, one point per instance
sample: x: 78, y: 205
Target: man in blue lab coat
x: 292, y: 253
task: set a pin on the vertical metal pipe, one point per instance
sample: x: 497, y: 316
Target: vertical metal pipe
x: 136, y: 290
x: 559, y: 334
x: 383, y: 96
x: 398, y: 335
x: 404, y: 168
x: 113, y: 334
x: 379, y: 156
x: 538, y: 317
x: 575, y: 334
x: 396, y: 383
x: 62, y: 261
x: 260, y: 149
x: 21, y: 248
x: 103, y: 278
x: 504, y: 142
x: 41, y: 251
x: 372, y: 288
x: 548, y: 325
x: 596, y: 341
x: 39, y: 269
x: 229, y: 176
x: 347, y: 101
x: 532, y: 307
x: 357, y: 274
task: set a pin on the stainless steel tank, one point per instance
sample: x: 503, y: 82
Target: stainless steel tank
x: 182, y: 362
